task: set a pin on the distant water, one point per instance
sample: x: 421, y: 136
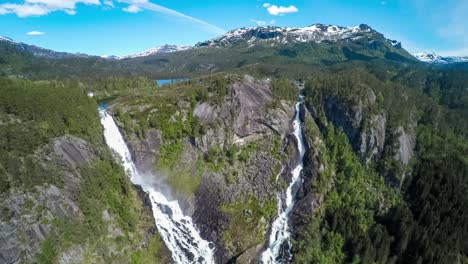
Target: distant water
x: 162, y: 82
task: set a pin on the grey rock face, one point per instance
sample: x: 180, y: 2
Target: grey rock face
x: 367, y: 140
x: 243, y: 116
x: 144, y: 151
x: 33, y: 213
x: 407, y: 142
x: 372, y: 139
x: 73, y: 151
x: 9, y: 244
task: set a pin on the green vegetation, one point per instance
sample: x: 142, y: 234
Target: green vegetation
x: 246, y: 228
x: 152, y: 253
x: 349, y: 228
x: 363, y: 219
x: 31, y: 114
x: 283, y: 88
x: 377, y: 212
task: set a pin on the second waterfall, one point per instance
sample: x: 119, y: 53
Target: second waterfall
x: 176, y: 229
x: 279, y: 246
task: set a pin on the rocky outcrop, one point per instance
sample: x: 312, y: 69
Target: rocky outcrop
x: 73, y: 151
x: 309, y: 197
x: 247, y: 116
x: 372, y: 138
x: 407, y: 142
x: 145, y: 151
x: 365, y: 131
x: 28, y: 216
x: 31, y: 216
x: 243, y: 116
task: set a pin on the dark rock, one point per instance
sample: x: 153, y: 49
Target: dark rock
x: 9, y: 244
x: 73, y: 151
x: 367, y: 140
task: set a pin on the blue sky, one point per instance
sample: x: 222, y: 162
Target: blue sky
x: 120, y: 27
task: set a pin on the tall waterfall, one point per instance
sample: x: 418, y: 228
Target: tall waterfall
x: 279, y: 246
x: 176, y: 229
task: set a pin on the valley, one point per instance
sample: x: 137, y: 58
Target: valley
x: 322, y: 144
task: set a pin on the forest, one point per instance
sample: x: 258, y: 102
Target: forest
x: 425, y: 219
x: 375, y: 210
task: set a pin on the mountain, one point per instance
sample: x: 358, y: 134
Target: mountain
x: 340, y: 136
x: 316, y: 33
x: 157, y: 50
x: 259, y: 47
x: 42, y: 52
x: 50, y: 54
x: 431, y: 57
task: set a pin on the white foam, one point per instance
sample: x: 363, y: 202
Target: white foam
x: 176, y: 229
x: 280, y: 236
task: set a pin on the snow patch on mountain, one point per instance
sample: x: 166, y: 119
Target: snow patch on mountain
x: 431, y: 57
x: 5, y: 39
x: 288, y: 35
x: 157, y: 50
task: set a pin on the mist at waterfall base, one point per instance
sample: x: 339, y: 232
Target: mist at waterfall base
x: 176, y: 229
x: 279, y: 245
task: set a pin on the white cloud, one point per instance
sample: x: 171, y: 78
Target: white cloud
x: 272, y: 22
x: 70, y: 11
x: 260, y: 23
x: 35, y: 33
x: 132, y: 9
x: 280, y: 10
x: 43, y: 7
x: 266, y: 5
x: 109, y: 3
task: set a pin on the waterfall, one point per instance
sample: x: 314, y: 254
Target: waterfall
x: 176, y: 229
x: 279, y: 246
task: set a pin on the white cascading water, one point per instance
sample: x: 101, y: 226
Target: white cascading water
x: 176, y: 229
x: 279, y: 246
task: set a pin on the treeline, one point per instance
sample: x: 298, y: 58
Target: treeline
x: 31, y: 114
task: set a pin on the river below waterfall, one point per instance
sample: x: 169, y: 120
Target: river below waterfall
x: 177, y: 230
x: 279, y: 245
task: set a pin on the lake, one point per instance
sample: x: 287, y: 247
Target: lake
x: 162, y: 82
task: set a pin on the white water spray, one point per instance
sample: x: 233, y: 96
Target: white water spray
x: 176, y: 229
x: 279, y: 246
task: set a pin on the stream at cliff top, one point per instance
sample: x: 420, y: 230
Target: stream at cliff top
x: 176, y: 229
x: 279, y: 245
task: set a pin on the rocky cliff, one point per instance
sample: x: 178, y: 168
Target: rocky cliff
x: 239, y: 162
x: 33, y: 220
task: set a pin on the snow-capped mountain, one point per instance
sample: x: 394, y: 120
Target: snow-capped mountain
x: 431, y: 57
x: 287, y: 35
x: 8, y: 40
x: 157, y: 50
x: 270, y: 35
x: 41, y: 52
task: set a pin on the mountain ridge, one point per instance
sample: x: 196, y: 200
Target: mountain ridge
x: 273, y: 35
x: 433, y: 58
x: 316, y: 33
